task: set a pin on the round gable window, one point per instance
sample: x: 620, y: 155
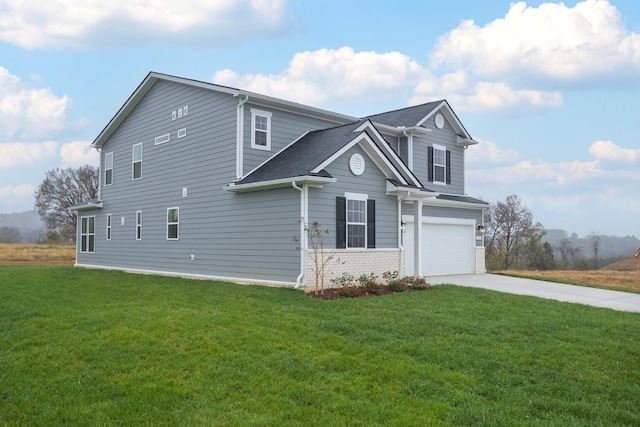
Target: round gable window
x: 439, y: 121
x: 356, y: 164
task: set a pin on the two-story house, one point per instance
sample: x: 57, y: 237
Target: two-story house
x: 203, y: 180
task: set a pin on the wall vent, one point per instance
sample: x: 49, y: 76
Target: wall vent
x: 163, y: 138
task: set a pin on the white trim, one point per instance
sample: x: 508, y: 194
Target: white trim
x: 454, y: 204
x: 139, y: 225
x: 260, y: 113
x: 182, y: 133
x: 109, y: 228
x: 312, y: 181
x: 177, y: 223
x: 240, y: 137
x: 133, y: 161
x: 89, y: 248
x: 440, y: 220
x: 162, y: 139
x: 382, y: 161
x: 440, y: 148
x: 109, y: 154
x: 238, y: 280
x: 356, y: 196
x: 448, y: 113
x: 399, y: 164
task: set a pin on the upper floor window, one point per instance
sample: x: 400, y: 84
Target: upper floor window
x: 108, y: 226
x: 137, y: 161
x: 108, y: 168
x: 356, y: 221
x: 260, y: 129
x: 173, y: 224
x: 88, y: 234
x: 439, y: 165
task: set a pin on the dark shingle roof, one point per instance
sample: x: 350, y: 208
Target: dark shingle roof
x: 409, y: 116
x: 464, y: 199
x: 300, y: 158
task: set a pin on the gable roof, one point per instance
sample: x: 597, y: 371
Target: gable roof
x: 269, y: 101
x: 310, y: 154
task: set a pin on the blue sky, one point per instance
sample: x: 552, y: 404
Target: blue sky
x: 550, y: 89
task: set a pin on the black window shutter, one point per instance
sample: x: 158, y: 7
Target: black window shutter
x: 448, y: 167
x: 341, y: 222
x: 430, y: 163
x: 371, y: 223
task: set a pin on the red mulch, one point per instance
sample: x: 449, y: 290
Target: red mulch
x: 334, y: 293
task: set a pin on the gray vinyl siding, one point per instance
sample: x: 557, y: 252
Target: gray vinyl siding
x: 286, y: 127
x: 322, y: 202
x: 446, y: 137
x: 255, y: 245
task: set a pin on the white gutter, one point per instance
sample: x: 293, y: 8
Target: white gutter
x: 315, y: 181
x: 240, y: 136
x: 304, y: 198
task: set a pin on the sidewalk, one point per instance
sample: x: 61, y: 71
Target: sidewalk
x: 622, y: 301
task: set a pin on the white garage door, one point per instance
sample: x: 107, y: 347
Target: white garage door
x: 446, y: 249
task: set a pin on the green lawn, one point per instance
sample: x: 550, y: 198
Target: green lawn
x: 90, y: 347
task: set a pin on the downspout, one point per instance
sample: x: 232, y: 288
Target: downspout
x: 303, y: 232
x: 240, y: 137
x: 99, y: 174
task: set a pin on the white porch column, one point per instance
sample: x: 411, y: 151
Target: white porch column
x: 417, y: 239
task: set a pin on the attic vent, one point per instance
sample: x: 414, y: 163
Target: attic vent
x: 439, y: 121
x: 182, y: 133
x: 356, y: 164
x: 163, y: 138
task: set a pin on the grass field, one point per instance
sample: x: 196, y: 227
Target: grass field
x: 93, y: 347
x: 31, y: 253
x: 618, y: 280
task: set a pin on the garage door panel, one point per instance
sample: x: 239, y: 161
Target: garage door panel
x: 447, y: 249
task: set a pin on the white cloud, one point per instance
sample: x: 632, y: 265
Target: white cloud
x: 552, y: 41
x: 607, y: 150
x: 78, y: 153
x: 561, y: 173
x: 13, y: 154
x: 488, y: 151
x: 29, y: 112
x: 22, y: 191
x: 44, y: 24
x: 466, y: 95
x: 328, y: 74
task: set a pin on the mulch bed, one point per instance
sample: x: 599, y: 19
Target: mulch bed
x: 335, y: 293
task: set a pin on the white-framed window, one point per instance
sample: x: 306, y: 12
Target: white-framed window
x: 182, y: 133
x: 88, y: 234
x: 260, y: 129
x: 136, y: 160
x: 439, y: 164
x: 163, y: 138
x: 139, y: 225
x: 108, y: 168
x: 108, y: 226
x: 173, y: 223
x: 356, y: 220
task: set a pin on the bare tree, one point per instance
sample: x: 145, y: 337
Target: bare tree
x: 62, y: 189
x: 594, y: 240
x: 509, y: 225
x: 10, y: 235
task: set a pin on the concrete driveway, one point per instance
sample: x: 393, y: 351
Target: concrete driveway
x: 622, y: 301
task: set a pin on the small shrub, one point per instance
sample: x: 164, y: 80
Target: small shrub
x: 398, y: 285
x: 390, y: 275
x: 350, y: 291
x: 419, y: 284
x: 371, y: 287
x: 343, y: 281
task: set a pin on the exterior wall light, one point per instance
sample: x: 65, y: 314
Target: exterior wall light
x: 480, y: 230
x: 403, y: 226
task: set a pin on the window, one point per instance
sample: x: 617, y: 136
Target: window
x: 439, y: 165
x: 108, y: 226
x: 88, y: 234
x: 356, y: 221
x: 137, y: 161
x: 108, y: 169
x: 163, y: 138
x: 173, y: 224
x: 260, y: 129
x: 139, y: 225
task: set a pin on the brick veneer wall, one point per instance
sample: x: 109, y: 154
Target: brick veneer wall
x: 354, y: 262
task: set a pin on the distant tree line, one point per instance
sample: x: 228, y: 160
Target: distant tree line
x: 513, y: 241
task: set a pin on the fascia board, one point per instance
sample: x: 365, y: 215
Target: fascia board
x: 314, y: 181
x: 392, y: 154
x: 445, y: 108
x: 455, y: 204
x: 372, y: 151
